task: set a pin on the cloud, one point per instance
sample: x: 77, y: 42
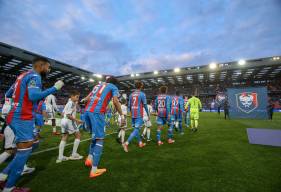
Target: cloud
x: 160, y: 62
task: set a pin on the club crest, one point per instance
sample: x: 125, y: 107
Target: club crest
x: 247, y: 101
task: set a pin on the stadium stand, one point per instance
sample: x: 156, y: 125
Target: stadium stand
x: 206, y: 79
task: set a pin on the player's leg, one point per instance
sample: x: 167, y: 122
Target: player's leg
x: 170, y: 129
x: 148, y: 125
x: 192, y: 123
x: 24, y: 139
x: 62, y: 145
x: 196, y: 121
x: 75, y: 155
x: 160, y: 123
x: 9, y: 146
x: 89, y: 123
x: 98, y: 130
x: 144, y: 131
x: 138, y: 125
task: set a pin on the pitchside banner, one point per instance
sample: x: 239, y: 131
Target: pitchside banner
x: 248, y: 102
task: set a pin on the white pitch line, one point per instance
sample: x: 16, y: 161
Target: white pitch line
x: 54, y: 148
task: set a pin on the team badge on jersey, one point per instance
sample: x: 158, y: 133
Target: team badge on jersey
x: 247, y: 101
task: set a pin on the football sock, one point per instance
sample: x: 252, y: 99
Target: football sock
x: 18, y: 162
x: 97, y: 152
x: 180, y: 126
x: 61, y: 149
x: 170, y: 131
x: 196, y: 123
x: 192, y: 124
x: 135, y: 133
x: 92, y: 146
x: 144, y: 131
x: 54, y: 129
x: 4, y: 156
x: 122, y: 135
x: 148, y: 133
x: 158, y: 135
x: 75, y: 146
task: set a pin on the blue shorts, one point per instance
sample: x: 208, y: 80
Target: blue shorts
x: 162, y: 120
x: 176, y: 117
x: 95, y: 122
x: 137, y: 122
x: 23, y: 130
x: 39, y: 120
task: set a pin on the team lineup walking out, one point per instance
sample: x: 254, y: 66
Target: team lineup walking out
x: 27, y: 107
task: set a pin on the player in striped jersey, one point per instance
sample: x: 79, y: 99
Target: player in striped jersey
x: 137, y: 102
x: 97, y: 102
x: 162, y: 107
x: 177, y: 109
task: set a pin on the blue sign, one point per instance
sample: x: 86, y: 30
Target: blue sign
x: 248, y: 102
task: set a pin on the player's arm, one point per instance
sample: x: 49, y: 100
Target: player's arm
x: 44, y: 111
x: 129, y: 105
x: 156, y: 104
x: 181, y: 105
x: 144, y: 101
x: 34, y: 89
x: 200, y: 105
x: 87, y: 98
x: 168, y: 105
x: 68, y: 112
x: 10, y: 91
x: 54, y: 103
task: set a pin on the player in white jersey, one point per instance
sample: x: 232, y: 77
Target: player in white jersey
x: 9, y: 137
x: 147, y: 123
x: 122, y: 129
x: 51, y: 107
x: 68, y: 127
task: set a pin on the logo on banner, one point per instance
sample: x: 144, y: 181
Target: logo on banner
x: 247, y: 101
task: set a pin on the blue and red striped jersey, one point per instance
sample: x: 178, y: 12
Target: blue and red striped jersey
x: 177, y: 105
x: 137, y: 101
x: 26, y: 92
x: 162, y: 105
x: 100, y: 97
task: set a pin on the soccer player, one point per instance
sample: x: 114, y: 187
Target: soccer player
x: 51, y: 109
x: 26, y: 92
x: 40, y: 114
x: 162, y: 107
x: 69, y: 126
x: 122, y: 128
x: 97, y: 102
x: 147, y: 124
x: 137, y: 102
x: 195, y: 107
x: 177, y: 110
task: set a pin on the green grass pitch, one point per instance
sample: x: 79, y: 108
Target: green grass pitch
x: 217, y: 158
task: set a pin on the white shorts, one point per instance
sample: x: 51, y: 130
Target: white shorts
x: 51, y: 113
x: 146, y: 122
x: 119, y: 122
x: 68, y: 126
x: 9, y: 138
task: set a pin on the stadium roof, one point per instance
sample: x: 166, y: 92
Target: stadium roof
x: 256, y: 71
x: 14, y: 60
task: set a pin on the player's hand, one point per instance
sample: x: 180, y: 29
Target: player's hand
x: 59, y: 84
x: 83, y: 100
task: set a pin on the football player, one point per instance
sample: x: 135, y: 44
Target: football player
x: 162, y: 107
x: 137, y: 102
x: 69, y: 126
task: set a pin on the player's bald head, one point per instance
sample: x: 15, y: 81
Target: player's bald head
x: 163, y: 89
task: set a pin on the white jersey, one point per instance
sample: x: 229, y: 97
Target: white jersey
x: 70, y: 109
x: 124, y: 112
x: 7, y: 106
x: 149, y: 107
x: 51, y: 103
